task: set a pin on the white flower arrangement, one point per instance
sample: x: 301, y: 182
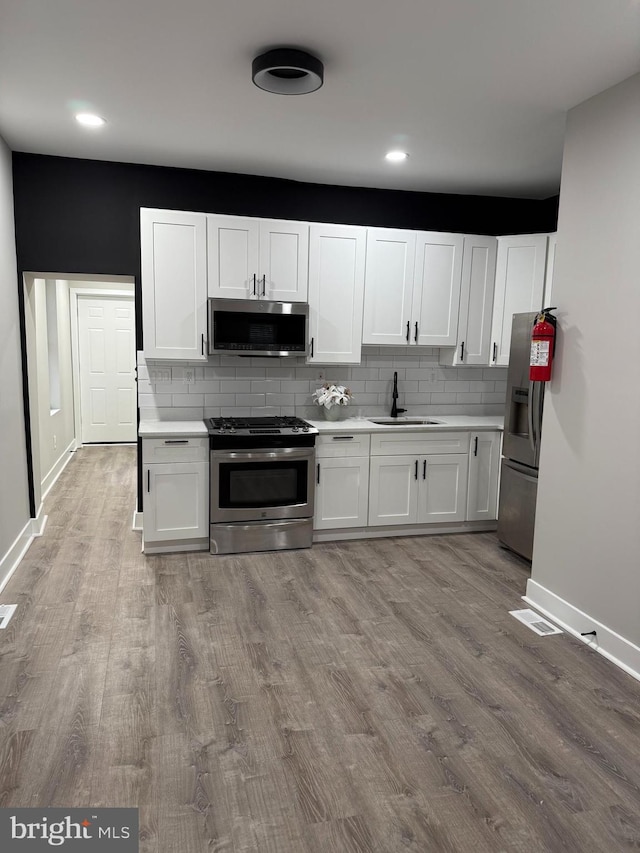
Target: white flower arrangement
x: 332, y: 395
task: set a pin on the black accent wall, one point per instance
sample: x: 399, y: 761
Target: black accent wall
x: 82, y: 216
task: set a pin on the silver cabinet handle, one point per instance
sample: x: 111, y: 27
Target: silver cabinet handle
x: 342, y: 437
x: 254, y: 284
x: 176, y: 441
x: 415, y: 336
x: 264, y: 285
x: 148, y: 479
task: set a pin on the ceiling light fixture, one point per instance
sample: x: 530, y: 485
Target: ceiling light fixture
x: 287, y: 71
x: 90, y: 120
x: 396, y: 156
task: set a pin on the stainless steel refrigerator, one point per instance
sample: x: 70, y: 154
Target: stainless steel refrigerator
x: 521, y: 444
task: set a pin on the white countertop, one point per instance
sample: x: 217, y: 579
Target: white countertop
x: 167, y: 429
x: 445, y: 422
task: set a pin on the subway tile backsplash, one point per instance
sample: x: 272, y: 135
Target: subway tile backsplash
x: 236, y: 386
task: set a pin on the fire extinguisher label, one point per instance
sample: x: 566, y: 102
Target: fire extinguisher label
x: 540, y: 353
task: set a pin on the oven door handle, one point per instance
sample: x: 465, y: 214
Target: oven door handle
x: 263, y: 454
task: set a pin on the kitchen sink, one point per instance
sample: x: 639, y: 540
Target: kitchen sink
x: 404, y: 421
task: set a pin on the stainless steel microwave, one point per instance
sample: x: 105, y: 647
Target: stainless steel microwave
x: 258, y: 327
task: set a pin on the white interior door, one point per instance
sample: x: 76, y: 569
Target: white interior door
x: 107, y: 350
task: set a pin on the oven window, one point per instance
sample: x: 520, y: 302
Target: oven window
x: 263, y: 484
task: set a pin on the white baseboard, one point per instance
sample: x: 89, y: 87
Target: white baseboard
x: 11, y: 560
x: 49, y: 479
x: 607, y: 642
x: 137, y: 520
x: 39, y: 523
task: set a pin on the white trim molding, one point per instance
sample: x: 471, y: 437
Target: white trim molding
x: 137, y: 520
x: 51, y: 476
x: 11, y: 560
x: 607, y: 642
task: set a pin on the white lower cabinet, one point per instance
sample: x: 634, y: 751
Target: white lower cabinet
x: 418, y: 490
x: 342, y: 481
x: 484, y: 471
x: 176, y: 495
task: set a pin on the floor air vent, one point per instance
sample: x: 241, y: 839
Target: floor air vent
x: 6, y: 612
x: 535, y: 622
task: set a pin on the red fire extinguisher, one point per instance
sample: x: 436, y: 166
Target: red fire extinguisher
x: 543, y: 340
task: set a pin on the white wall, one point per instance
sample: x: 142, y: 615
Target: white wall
x: 14, y: 500
x: 586, y: 557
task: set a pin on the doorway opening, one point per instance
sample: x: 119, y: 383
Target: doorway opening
x: 81, y: 363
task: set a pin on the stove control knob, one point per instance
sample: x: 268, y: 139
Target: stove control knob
x: 294, y: 429
x: 305, y: 428
x: 232, y: 429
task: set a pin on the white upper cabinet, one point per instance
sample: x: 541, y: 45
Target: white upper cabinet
x: 233, y: 256
x: 336, y: 287
x: 412, y: 287
x: 520, y: 271
x: 436, y: 289
x: 388, y: 286
x: 476, y: 303
x: 258, y: 258
x: 174, y: 284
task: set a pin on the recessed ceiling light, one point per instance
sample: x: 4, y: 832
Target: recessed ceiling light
x: 90, y: 120
x: 396, y: 156
x: 287, y: 71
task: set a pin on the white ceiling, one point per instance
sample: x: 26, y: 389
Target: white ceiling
x: 475, y: 90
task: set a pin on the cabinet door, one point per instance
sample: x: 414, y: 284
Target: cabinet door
x: 443, y: 488
x: 174, y: 284
x: 484, y: 468
x: 393, y: 490
x: 336, y: 284
x: 436, y: 289
x: 342, y: 492
x: 176, y: 501
x: 233, y: 256
x: 283, y: 269
x: 520, y: 269
x: 476, y: 300
x: 388, y: 286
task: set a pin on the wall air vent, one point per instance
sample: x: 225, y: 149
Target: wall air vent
x: 6, y: 612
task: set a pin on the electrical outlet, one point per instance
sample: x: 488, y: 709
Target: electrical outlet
x: 55, y: 442
x: 189, y: 374
x: 320, y: 374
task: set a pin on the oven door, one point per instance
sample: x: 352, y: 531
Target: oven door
x: 262, y: 484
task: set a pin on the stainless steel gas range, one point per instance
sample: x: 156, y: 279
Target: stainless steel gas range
x: 262, y: 484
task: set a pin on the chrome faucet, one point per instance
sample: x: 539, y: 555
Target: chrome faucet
x: 395, y: 411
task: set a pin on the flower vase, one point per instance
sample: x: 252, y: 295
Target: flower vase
x: 332, y: 414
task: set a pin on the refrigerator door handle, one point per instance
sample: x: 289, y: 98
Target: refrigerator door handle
x: 523, y: 470
x: 538, y: 413
x: 530, y: 418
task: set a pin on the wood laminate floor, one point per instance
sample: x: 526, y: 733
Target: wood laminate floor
x: 360, y: 696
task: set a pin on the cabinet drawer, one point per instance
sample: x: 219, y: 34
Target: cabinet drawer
x: 419, y: 443
x: 347, y: 444
x: 176, y: 449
